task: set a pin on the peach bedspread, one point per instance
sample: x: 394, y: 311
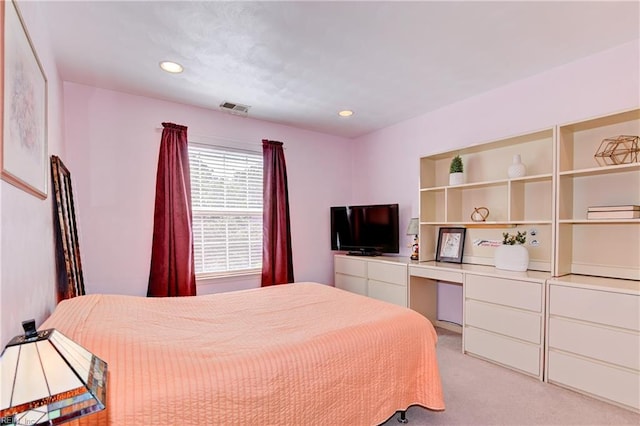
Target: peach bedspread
x: 297, y: 354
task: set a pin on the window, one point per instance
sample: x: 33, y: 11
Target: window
x: 226, y: 196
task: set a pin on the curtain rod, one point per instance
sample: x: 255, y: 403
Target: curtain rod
x: 208, y: 138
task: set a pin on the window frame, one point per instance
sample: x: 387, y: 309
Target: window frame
x: 225, y: 211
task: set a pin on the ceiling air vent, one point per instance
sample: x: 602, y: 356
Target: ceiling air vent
x: 235, y: 109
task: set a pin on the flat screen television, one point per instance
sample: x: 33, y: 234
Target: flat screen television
x: 365, y: 230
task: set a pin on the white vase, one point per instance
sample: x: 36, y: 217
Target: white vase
x: 511, y: 257
x: 516, y: 169
x: 456, y: 178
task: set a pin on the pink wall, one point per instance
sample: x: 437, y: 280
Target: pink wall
x: 112, y: 151
x: 598, y: 85
x: 27, y: 262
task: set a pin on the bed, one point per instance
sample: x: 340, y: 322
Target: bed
x: 295, y: 354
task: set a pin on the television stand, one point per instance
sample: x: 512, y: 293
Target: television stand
x: 364, y: 252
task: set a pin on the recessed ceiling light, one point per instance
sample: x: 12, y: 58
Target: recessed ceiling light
x: 345, y: 113
x: 172, y: 67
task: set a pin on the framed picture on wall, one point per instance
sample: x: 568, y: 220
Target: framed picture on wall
x: 24, y: 159
x: 450, y: 245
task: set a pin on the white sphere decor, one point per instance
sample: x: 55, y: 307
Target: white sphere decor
x: 517, y: 169
x: 511, y: 257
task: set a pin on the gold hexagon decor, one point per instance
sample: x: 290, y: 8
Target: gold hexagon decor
x: 621, y: 149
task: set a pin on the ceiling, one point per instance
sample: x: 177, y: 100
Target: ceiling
x: 299, y: 63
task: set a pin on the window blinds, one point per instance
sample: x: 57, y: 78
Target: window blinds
x: 226, y: 197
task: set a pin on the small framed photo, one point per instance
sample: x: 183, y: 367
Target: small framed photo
x: 450, y: 245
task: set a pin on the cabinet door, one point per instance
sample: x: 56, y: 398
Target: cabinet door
x: 513, y: 353
x: 391, y: 293
x: 518, y: 294
x: 353, y: 284
x: 509, y: 322
x: 608, y: 308
x: 606, y: 344
x: 350, y: 266
x: 387, y: 272
x: 615, y: 384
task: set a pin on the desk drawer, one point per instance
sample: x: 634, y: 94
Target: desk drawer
x: 516, y: 354
x: 436, y: 274
x: 349, y: 266
x: 510, y: 322
x: 518, y: 294
x: 615, y: 309
x: 387, y: 272
x: 606, y: 344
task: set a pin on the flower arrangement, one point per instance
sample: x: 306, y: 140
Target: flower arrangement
x: 456, y: 165
x: 510, y: 239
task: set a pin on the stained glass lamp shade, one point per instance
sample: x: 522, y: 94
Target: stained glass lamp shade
x: 46, y: 378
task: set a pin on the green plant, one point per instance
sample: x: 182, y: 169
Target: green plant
x: 511, y: 239
x: 456, y: 165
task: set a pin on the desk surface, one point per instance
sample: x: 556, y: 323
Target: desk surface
x: 478, y: 270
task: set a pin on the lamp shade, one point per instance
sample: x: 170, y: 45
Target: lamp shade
x: 412, y: 229
x: 46, y: 378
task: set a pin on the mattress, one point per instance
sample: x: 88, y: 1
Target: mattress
x: 295, y: 354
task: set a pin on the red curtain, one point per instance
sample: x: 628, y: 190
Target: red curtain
x: 277, y: 264
x: 172, y: 264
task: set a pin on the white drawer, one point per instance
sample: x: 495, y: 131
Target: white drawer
x: 391, y: 293
x: 516, y: 354
x: 345, y: 265
x: 436, y: 274
x: 510, y: 322
x: 518, y: 294
x: 612, y: 383
x: 616, y: 309
x: 350, y: 283
x: 387, y: 272
x: 606, y: 344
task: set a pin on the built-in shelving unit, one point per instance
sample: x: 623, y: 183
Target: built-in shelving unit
x: 524, y: 202
x: 607, y: 248
x: 590, y: 279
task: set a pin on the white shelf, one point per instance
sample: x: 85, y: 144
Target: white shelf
x: 594, y: 171
x: 491, y: 224
x: 598, y: 221
x: 471, y: 185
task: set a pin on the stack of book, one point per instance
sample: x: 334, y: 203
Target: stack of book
x: 613, y: 212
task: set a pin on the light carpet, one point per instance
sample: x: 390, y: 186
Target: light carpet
x: 477, y: 392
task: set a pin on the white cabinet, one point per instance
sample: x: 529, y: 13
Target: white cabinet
x: 351, y: 274
x: 383, y: 277
x: 504, y: 321
x: 593, y: 337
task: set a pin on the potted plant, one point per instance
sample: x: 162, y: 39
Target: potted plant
x: 512, y: 255
x: 456, y: 171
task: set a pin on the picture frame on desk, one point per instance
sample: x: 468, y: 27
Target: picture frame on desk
x: 450, y: 245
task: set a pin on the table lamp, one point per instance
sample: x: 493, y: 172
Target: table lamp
x: 412, y: 229
x: 47, y: 378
